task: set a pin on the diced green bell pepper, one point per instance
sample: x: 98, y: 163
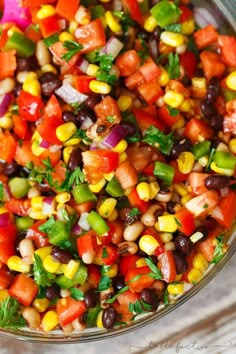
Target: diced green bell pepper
x: 224, y: 159
x: 83, y: 194
x: 165, y: 13
x: 114, y: 188
x: 201, y: 149
x: 22, y: 45
x: 164, y: 172
x: 59, y: 233
x: 97, y: 12
x: 97, y: 223
x: 51, y: 40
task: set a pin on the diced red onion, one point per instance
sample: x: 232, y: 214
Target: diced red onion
x: 5, y: 101
x: 203, y: 17
x: 49, y: 206
x: 224, y: 192
x: 13, y: 12
x: 76, y: 229
x: 115, y: 136
x: 113, y: 47
x: 54, y: 148
x: 217, y: 213
x: 83, y: 223
x: 70, y: 95
x: 82, y: 64
x: 4, y: 219
x: 62, y: 23
x: 44, y: 144
x: 87, y: 123
x: 48, y: 200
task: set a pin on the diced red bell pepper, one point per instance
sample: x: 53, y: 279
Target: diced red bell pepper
x: 24, y: 289
x: 30, y: 107
x: 166, y: 263
x: 69, y: 309
x: 39, y: 238
x: 87, y: 245
x: 49, y: 25
x: 228, y: 50
x: 127, y: 174
x: 189, y: 62
x: 136, y: 202
x: 104, y: 160
x: 47, y: 129
x: 145, y: 120
x: 6, y: 278
x: 82, y: 83
x: 18, y: 206
x: 225, y: 212
x: 164, y: 115
x: 134, y: 10
x: 186, y: 13
x: 66, y: 11
x: 128, y: 62
x: 8, y: 236
x: 212, y: 64
x: 106, y: 255
x: 203, y: 204
x: 20, y: 126
x: 205, y: 36
x: 91, y: 36
x: 53, y: 107
x: 197, y: 129
x: 94, y: 275
x: 7, y: 146
x: 186, y: 222
x: 127, y: 262
x: 143, y: 281
x: 150, y: 90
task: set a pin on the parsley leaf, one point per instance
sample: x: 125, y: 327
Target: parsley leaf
x: 106, y: 77
x: 105, y: 61
x: 41, y: 276
x: 76, y: 177
x: 155, y: 136
x: 76, y: 294
x: 218, y: 253
x: 104, y: 284
x: 72, y: 49
x: 81, y: 134
x: 134, y: 212
x: 104, y: 252
x: 10, y: 317
x: 173, y: 111
x: 48, y: 172
x: 155, y: 271
x: 113, y: 298
x: 173, y: 66
x: 47, y: 225
x: 139, y: 307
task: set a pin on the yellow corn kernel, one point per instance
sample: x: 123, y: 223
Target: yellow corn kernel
x: 36, y: 149
x: 150, y: 24
x: 166, y: 237
x: 99, y: 87
x: 92, y: 70
x: 73, y: 25
x: 43, y: 252
x: 112, y: 271
x: 153, y: 189
x: 50, y: 265
x: 200, y: 262
x: 4, y: 294
x: 33, y: 87
x: 49, y: 321
x: 123, y: 156
x: 185, y: 199
x: 148, y: 244
x: 199, y: 82
x: 45, y: 11
x: 127, y: 191
x: 180, y: 189
x: 49, y: 68
x: 41, y: 304
x: 179, y: 124
x: 107, y: 207
x: 222, y: 171
x: 231, y: 81
x: 17, y: 264
x: 71, y: 268
x: 143, y: 191
x: 114, y: 215
x: 66, y: 36
x: 188, y: 27
x: 36, y: 214
x: 31, y: 75
x: 232, y: 145
x: 166, y: 223
x: 99, y: 317
x: 61, y: 269
x: 66, y: 153
x: 3, y: 210
x: 72, y: 142
x: 66, y: 131
x: 6, y: 122
x: 63, y: 197
x: 185, y: 162
x: 173, y: 99
x: 172, y: 39
x: 194, y: 275
x: 112, y: 22
x: 121, y: 146
x: 37, y: 202
x: 124, y: 103
x: 175, y: 289
x: 141, y: 262
x: 186, y: 105
x: 108, y: 176
x: 163, y: 78
x: 96, y: 188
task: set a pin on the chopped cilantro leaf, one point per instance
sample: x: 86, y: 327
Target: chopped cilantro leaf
x: 166, y: 297
x: 134, y: 212
x: 72, y: 49
x: 76, y: 294
x: 47, y: 225
x: 205, y: 206
x: 155, y: 271
x: 10, y: 317
x: 178, y: 222
x: 104, y: 284
x: 104, y: 253
x: 173, y: 66
x: 173, y: 111
x: 144, y: 51
x: 125, y: 20
x: 106, y: 77
x: 139, y: 307
x: 137, y: 277
x: 218, y: 253
x: 113, y: 298
x: 155, y: 136
x: 105, y: 61
x: 81, y: 134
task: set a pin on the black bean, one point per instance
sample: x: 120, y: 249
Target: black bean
x: 199, y: 73
x: 156, y: 33
x: 217, y: 182
x: 213, y: 90
x: 144, y: 34
x: 179, y: 146
x: 52, y: 292
x: 11, y: 169
x: 49, y: 84
x: 61, y: 255
x: 170, y: 206
x: 204, y: 230
x: 109, y: 317
x: 129, y: 128
x: 17, y: 89
x: 183, y: 244
x: 83, y: 318
x: 75, y: 159
x: 90, y: 298
x: 69, y: 116
x: 180, y: 263
x: 186, y: 81
x: 92, y: 101
x: 216, y: 122
x: 46, y: 190
x: 148, y: 296
x: 208, y: 109
x: 84, y: 114
x: 118, y: 283
x: 23, y: 64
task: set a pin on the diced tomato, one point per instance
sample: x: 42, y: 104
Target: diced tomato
x: 6, y: 278
x: 58, y: 50
x: 115, y: 234
x: 128, y: 62
x: 18, y: 206
x: 228, y: 50
x: 94, y: 275
x: 150, y: 90
x: 8, y: 236
x: 104, y: 160
x: 186, y: 222
x: 140, y: 155
x: 212, y: 64
x: 203, y: 204
x: 136, y: 202
x: 127, y: 174
x: 205, y: 36
x: 145, y: 120
x: 134, y: 10
x: 20, y: 126
x: 207, y: 247
x: 59, y: 172
x: 91, y: 36
x: 69, y: 309
x: 7, y: 63
x: 49, y: 26
x: 189, y: 61
x: 122, y: 304
x: 143, y: 281
x: 186, y: 13
x: 197, y: 129
x: 87, y: 243
x: 108, y: 107
x: 106, y: 255
x: 39, y: 238
x: 133, y: 80
x: 53, y: 107
x: 164, y: 115
x: 66, y: 11
x: 82, y: 83
x: 32, y: 33
x: 47, y: 129
x: 178, y: 176
x: 149, y: 69
x: 225, y: 211
x: 7, y: 146
x: 30, y: 107
x: 83, y: 207
x: 197, y: 182
x: 166, y: 263
x: 127, y: 262
x: 36, y: 3
x: 24, y: 289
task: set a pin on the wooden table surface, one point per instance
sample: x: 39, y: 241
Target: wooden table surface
x: 205, y: 324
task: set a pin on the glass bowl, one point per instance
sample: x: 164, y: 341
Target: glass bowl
x: 224, y: 14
